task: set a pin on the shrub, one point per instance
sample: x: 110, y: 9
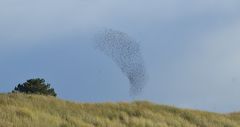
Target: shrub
x: 35, y: 86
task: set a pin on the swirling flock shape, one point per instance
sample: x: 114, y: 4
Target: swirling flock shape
x: 126, y: 53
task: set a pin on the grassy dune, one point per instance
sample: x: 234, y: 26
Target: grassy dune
x: 18, y: 110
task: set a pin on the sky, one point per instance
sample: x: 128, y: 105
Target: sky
x: 191, y: 49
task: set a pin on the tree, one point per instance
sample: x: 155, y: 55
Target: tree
x: 35, y: 86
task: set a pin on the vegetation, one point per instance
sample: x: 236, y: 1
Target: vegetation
x: 35, y: 86
x: 25, y: 110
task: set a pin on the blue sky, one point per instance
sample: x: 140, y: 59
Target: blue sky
x: 191, y: 49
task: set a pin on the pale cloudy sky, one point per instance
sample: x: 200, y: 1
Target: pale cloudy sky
x: 191, y: 49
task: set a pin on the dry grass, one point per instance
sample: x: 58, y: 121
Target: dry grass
x: 19, y: 110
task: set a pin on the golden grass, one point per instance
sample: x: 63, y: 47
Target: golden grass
x: 20, y: 110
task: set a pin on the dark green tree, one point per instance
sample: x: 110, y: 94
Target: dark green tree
x: 35, y: 86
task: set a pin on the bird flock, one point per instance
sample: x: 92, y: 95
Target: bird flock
x: 126, y: 53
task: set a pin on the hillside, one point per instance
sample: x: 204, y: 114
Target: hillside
x: 18, y: 110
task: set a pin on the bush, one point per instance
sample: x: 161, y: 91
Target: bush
x: 35, y: 86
